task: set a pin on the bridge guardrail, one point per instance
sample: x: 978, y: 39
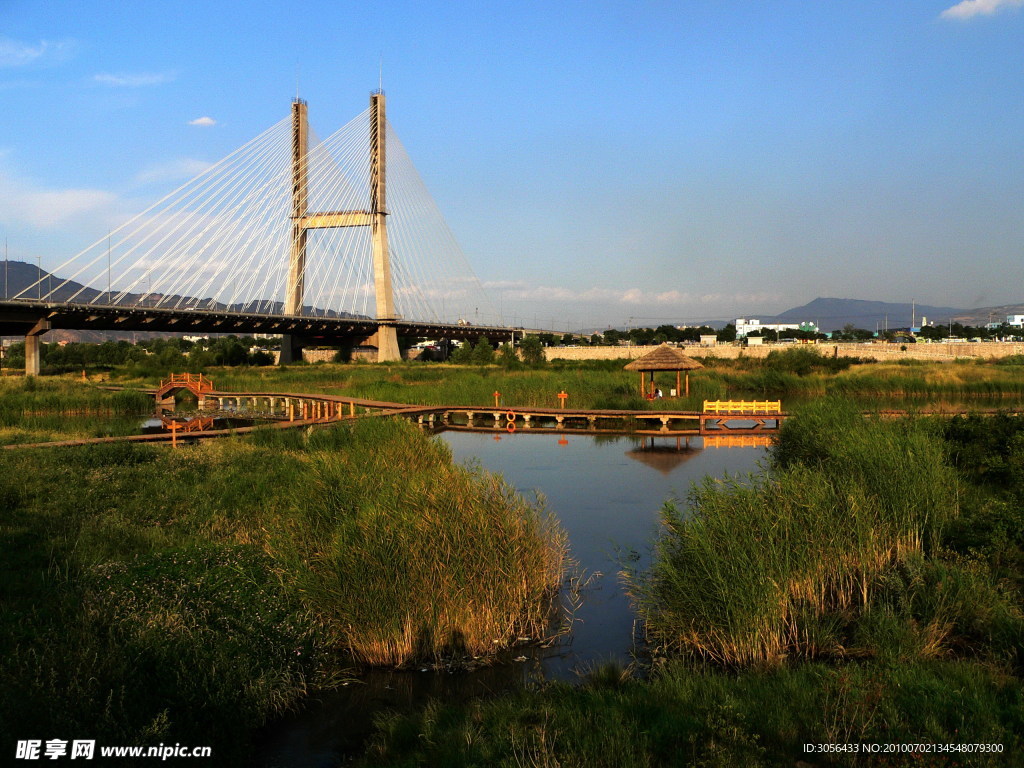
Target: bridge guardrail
x: 742, y: 406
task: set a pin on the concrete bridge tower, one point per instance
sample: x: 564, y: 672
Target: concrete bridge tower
x: 375, y: 217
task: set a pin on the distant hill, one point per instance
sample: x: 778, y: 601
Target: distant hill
x: 832, y: 314
x: 19, y: 276
x: 984, y: 315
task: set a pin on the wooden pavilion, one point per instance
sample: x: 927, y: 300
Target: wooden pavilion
x: 664, y: 358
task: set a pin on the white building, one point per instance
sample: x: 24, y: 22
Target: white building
x: 1015, y: 320
x: 745, y: 327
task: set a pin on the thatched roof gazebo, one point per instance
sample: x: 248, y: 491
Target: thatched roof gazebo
x: 664, y: 358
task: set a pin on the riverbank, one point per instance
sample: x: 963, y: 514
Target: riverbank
x: 229, y: 577
x: 45, y: 409
x: 180, y: 596
x: 797, y: 371
x: 849, y: 595
x: 878, y: 351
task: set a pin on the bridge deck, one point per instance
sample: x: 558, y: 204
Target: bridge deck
x: 19, y: 316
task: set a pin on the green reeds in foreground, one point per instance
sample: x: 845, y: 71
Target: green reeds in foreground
x: 157, y: 595
x: 777, y: 564
x: 411, y: 558
x: 687, y: 715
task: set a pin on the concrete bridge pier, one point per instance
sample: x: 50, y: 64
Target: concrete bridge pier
x: 291, y: 349
x: 32, y: 351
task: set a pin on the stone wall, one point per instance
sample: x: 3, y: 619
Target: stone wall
x: 875, y: 351
x: 363, y: 354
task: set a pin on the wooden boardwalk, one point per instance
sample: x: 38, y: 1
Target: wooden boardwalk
x: 289, y: 410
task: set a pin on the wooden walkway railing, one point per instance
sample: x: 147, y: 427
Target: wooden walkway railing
x: 743, y: 406
x: 197, y: 382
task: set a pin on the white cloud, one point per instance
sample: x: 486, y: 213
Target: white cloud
x: 138, y: 80
x: 14, y: 53
x: 630, y: 296
x: 204, y: 121
x: 175, y: 170
x: 501, y: 285
x: 967, y: 9
x: 24, y: 203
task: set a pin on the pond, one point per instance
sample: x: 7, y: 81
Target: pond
x: 607, y: 492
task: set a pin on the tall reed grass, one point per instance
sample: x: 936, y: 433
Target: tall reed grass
x: 155, y: 595
x: 30, y: 397
x: 412, y: 558
x: 761, y: 568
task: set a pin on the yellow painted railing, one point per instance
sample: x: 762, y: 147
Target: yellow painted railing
x: 742, y: 406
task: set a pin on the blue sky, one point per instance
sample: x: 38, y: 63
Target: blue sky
x: 598, y: 161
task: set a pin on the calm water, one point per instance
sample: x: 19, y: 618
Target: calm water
x: 154, y: 426
x: 606, y: 492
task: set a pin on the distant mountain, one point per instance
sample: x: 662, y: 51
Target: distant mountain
x: 984, y: 315
x: 832, y: 314
x: 17, y: 277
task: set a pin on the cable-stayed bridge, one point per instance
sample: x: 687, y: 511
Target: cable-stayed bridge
x: 323, y: 241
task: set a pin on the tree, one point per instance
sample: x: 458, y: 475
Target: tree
x: 728, y: 333
x: 483, y: 352
x: 532, y: 350
x: 567, y: 339
x: 462, y: 354
x: 641, y: 336
x: 507, y: 356
x: 670, y: 332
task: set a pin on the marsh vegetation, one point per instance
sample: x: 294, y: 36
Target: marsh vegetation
x: 153, y: 595
x: 864, y: 587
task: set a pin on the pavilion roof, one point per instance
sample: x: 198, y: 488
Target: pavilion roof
x: 664, y: 358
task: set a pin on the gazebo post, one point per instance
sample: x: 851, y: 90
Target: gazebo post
x: 664, y: 358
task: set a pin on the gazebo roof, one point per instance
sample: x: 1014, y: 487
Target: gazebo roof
x: 664, y: 358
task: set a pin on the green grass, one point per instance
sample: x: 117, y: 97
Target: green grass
x: 694, y: 716
x: 46, y: 409
x: 865, y: 588
x: 837, y: 552
x: 156, y: 595
x: 800, y: 374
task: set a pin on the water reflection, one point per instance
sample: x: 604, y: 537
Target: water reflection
x: 606, y: 491
x: 183, y: 425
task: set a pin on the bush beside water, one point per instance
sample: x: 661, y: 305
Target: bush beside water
x: 39, y: 410
x: 866, y: 587
x: 152, y: 595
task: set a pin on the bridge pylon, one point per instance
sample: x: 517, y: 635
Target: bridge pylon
x: 375, y: 217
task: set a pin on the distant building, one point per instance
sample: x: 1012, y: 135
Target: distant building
x: 745, y: 327
x: 1017, y: 321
